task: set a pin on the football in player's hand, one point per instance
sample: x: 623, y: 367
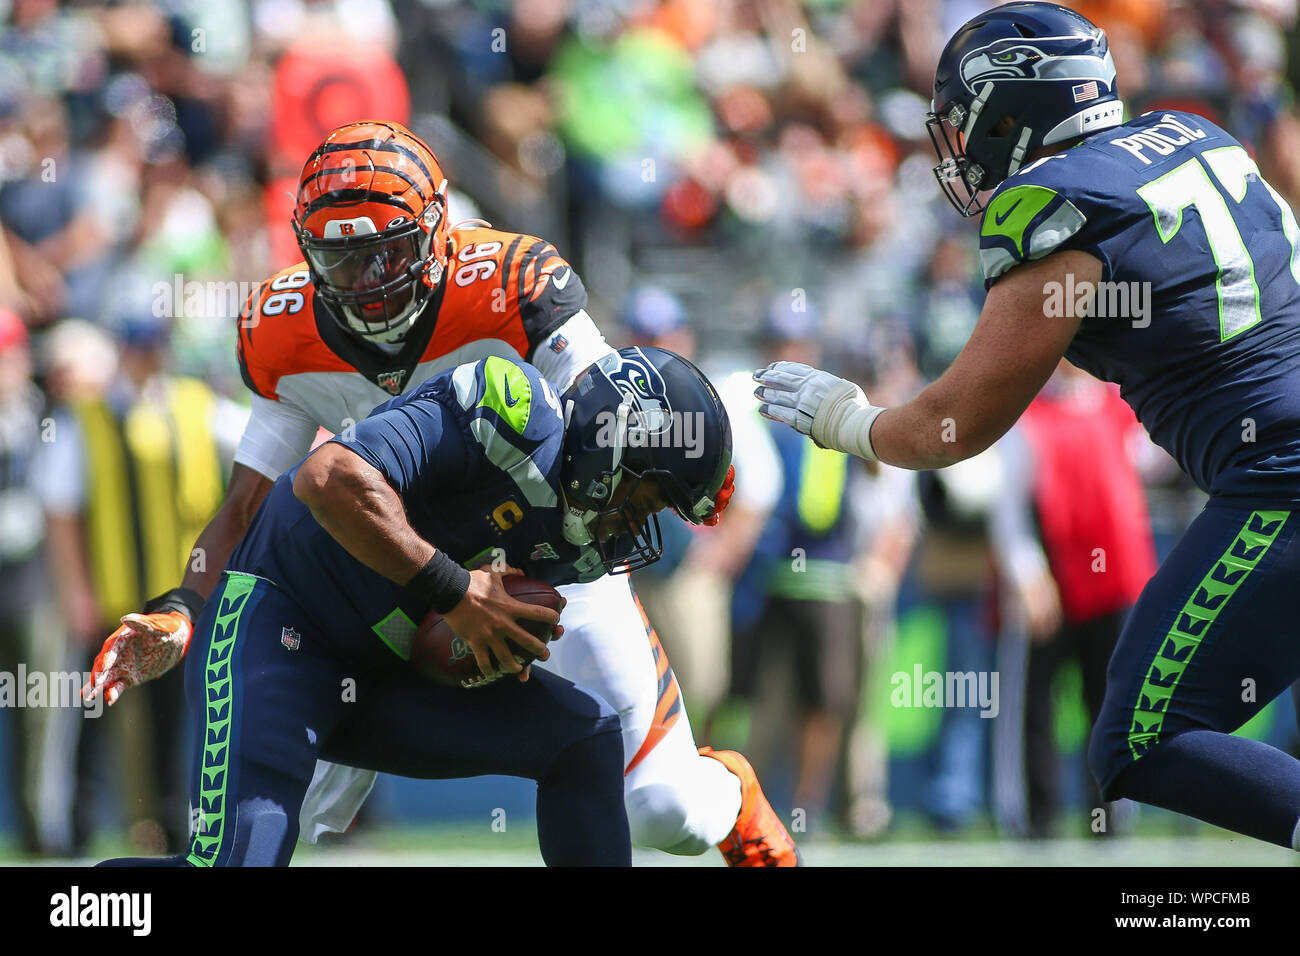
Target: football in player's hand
x: 445, y: 659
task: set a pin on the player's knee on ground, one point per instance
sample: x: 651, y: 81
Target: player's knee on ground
x: 659, y: 817
x: 266, y: 833
x: 1108, y: 756
x: 259, y: 829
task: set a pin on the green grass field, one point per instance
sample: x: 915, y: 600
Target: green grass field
x: 1138, y: 851
x: 1159, y: 842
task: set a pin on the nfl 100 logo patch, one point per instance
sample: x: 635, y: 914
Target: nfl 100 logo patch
x: 290, y: 638
x: 391, y: 382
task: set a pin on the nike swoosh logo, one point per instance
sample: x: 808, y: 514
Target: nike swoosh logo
x: 511, y: 401
x: 561, y: 283
x: 999, y: 220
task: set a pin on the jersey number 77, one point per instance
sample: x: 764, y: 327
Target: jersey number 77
x: 1189, y: 185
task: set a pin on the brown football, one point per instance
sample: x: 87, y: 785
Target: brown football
x: 445, y: 659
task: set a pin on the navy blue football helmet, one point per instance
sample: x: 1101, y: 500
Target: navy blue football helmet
x: 637, y: 414
x: 1046, y: 67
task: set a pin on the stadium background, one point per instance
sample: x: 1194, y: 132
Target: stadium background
x: 757, y: 163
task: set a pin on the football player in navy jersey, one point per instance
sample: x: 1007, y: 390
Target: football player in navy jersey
x: 1150, y: 253
x: 391, y: 292
x: 481, y: 467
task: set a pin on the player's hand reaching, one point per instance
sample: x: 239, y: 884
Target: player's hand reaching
x: 486, y: 618
x: 832, y: 411
x: 144, y: 647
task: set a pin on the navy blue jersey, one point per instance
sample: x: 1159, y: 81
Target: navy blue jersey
x: 1198, y: 319
x: 475, y: 455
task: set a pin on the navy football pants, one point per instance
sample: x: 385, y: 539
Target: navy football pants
x: 264, y: 712
x: 1214, y: 637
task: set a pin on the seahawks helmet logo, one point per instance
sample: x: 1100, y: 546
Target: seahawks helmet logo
x: 642, y: 385
x: 1046, y: 58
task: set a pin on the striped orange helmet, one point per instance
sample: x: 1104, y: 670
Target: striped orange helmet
x: 371, y: 221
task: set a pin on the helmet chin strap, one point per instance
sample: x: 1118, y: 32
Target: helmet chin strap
x: 579, y: 526
x: 1018, y: 154
x: 576, y: 525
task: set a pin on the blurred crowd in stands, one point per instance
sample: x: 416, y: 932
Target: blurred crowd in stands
x: 741, y: 180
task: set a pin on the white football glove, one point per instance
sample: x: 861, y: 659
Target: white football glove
x: 833, y: 412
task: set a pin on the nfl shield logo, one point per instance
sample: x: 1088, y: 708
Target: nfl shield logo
x: 391, y: 382
x: 290, y: 638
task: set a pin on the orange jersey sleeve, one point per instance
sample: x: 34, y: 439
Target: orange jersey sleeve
x: 278, y: 334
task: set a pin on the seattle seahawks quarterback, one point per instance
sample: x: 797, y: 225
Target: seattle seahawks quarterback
x: 302, y: 651
x: 389, y: 293
x: 1152, y: 254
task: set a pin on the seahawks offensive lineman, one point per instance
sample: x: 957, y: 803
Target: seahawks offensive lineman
x: 1169, y: 205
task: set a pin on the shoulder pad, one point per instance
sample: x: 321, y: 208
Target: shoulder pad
x: 1029, y: 217
x: 517, y: 275
x: 512, y: 412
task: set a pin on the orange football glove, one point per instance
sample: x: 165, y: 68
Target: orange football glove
x: 144, y: 647
x: 724, y: 498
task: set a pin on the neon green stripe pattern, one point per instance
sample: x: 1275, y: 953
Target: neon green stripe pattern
x: 211, y: 824
x: 1194, y: 622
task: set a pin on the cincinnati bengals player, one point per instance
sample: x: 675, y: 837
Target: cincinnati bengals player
x: 388, y: 295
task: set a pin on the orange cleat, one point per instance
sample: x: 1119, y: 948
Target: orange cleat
x: 759, y: 838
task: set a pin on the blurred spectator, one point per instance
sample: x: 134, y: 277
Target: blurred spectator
x: 51, y: 231
x: 687, y: 594
x: 654, y: 316
x: 1073, y: 540
x: 953, y: 572
x: 322, y: 81
x: 25, y: 618
x: 794, y: 613
x: 947, y: 304
x: 134, y: 474
x: 887, y: 517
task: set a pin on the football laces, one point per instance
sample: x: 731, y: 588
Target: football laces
x: 481, y: 680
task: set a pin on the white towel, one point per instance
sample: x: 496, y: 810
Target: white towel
x: 333, y: 798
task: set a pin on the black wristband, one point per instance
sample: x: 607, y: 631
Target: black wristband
x: 442, y: 582
x: 187, y: 601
